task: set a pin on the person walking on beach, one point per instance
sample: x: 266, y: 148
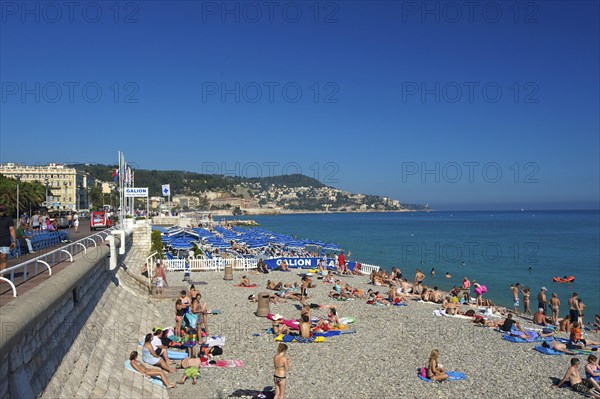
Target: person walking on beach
x: 282, y: 365
x: 526, y: 300
x: 572, y: 375
x: 542, y: 298
x: 515, y: 291
x: 574, y: 308
x: 555, y: 305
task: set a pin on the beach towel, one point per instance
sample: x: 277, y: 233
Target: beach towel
x: 333, y: 333
x: 154, y: 380
x: 174, y: 355
x: 223, y: 364
x: 547, y: 351
x: 452, y: 376
x: 296, y: 338
x: 347, y: 320
x: 215, y: 341
x: 533, y: 337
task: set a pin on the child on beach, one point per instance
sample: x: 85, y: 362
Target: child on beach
x: 189, y: 372
x: 281, y: 363
x: 435, y: 371
x: 574, y: 378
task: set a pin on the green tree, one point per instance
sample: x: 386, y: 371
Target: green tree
x: 95, y: 196
x: 31, y: 194
x: 156, y: 244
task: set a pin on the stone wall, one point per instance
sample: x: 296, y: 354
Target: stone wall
x: 36, y: 329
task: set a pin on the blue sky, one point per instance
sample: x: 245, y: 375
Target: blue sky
x: 494, y: 107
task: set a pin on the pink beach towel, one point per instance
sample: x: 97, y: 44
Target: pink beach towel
x: 224, y: 364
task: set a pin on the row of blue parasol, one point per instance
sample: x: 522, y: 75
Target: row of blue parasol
x: 184, y: 239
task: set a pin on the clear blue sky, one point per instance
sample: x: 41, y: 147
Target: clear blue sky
x: 370, y: 117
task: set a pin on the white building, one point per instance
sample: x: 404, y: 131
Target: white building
x: 67, y: 186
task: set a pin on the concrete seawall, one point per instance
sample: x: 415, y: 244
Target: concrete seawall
x: 65, y: 337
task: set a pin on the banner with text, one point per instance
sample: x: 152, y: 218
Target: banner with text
x: 136, y: 192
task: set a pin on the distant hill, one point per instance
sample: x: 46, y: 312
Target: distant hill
x: 292, y: 192
x: 190, y: 182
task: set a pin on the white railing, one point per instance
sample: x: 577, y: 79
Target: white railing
x: 52, y: 258
x: 203, y: 265
x: 368, y: 269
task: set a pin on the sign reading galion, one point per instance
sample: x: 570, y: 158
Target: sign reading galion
x: 136, y: 191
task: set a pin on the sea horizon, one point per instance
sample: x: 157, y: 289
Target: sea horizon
x: 498, y: 251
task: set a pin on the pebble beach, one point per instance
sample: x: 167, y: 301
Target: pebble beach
x: 380, y: 360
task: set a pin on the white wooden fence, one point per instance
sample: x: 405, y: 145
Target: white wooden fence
x: 368, y: 269
x: 205, y: 265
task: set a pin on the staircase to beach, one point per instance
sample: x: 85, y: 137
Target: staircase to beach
x: 123, y: 315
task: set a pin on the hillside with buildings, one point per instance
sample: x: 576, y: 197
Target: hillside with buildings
x: 76, y: 186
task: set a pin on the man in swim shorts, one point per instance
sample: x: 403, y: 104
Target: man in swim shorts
x: 515, y: 292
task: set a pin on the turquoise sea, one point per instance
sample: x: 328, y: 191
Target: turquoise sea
x: 498, y: 248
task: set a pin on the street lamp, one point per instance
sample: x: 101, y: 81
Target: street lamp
x: 18, y: 177
x: 46, y: 181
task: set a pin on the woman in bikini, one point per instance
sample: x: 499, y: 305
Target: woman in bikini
x: 435, y: 371
x: 282, y: 364
x: 193, y: 291
x: 526, y: 294
x: 201, y: 310
x: 179, y: 313
x: 140, y: 368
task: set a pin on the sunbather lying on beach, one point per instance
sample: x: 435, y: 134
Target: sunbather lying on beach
x: 279, y: 328
x: 450, y: 306
x: 374, y: 298
x: 557, y: 346
x: 505, y: 326
x: 597, y: 323
x: 270, y: 285
x: 147, y: 371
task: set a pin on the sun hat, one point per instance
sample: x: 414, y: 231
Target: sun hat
x: 277, y: 317
x: 544, y: 289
